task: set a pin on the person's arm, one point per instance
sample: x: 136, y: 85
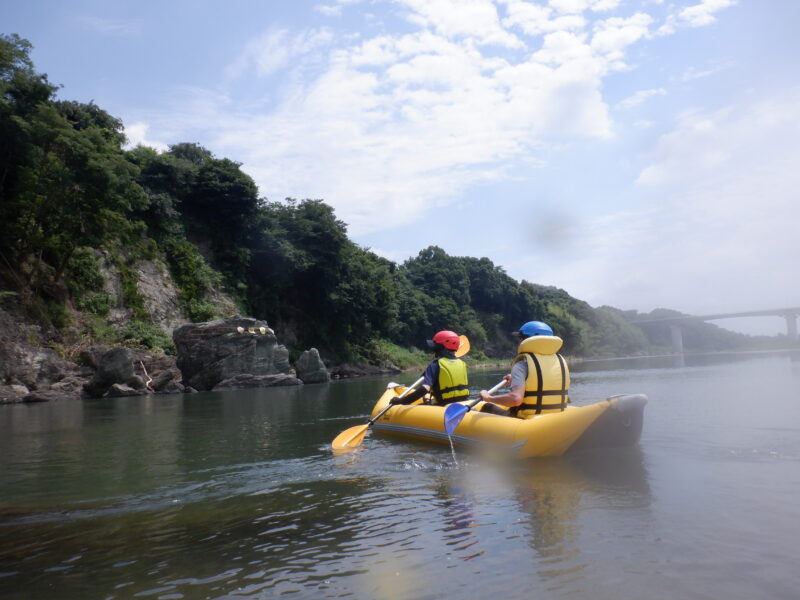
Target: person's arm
x: 421, y: 390
x: 509, y: 399
x: 519, y: 373
x: 411, y: 396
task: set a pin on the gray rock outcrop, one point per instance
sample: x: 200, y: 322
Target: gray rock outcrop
x: 310, y: 368
x: 346, y: 371
x: 210, y: 353
x: 114, y: 366
x: 240, y: 382
x: 119, y: 390
x: 28, y: 367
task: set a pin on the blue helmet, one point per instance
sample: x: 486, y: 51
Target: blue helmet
x: 532, y: 328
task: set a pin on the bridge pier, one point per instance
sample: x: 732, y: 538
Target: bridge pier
x: 676, y: 333
x: 791, y: 326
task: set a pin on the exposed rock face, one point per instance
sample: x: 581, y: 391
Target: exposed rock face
x: 160, y: 296
x: 158, y: 290
x: 210, y: 353
x: 114, y: 366
x: 310, y: 368
x: 27, y: 367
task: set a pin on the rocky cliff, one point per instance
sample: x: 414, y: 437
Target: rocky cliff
x: 40, y: 362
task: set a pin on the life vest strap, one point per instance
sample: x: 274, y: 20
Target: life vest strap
x: 540, y: 407
x: 539, y: 394
x: 454, y: 388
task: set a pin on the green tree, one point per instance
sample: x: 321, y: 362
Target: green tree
x: 440, y: 276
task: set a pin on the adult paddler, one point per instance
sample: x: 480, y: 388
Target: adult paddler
x: 445, y: 377
x: 539, y: 376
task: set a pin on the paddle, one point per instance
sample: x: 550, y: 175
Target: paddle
x: 463, y: 346
x: 351, y: 438
x: 455, y: 412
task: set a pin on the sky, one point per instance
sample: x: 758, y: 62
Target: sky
x: 636, y: 153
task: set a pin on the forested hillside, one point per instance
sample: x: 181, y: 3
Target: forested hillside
x: 75, y: 202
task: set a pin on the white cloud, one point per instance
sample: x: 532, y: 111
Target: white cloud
x: 400, y: 123
x: 136, y: 133
x: 386, y: 127
x: 613, y: 35
x: 112, y: 27
x: 693, y: 73
x: 474, y: 19
x: 335, y: 9
x: 535, y: 19
x: 579, y: 6
x: 639, y: 97
x: 703, y: 13
x: 275, y: 49
x: 329, y: 10
x: 717, y: 226
x: 697, y: 15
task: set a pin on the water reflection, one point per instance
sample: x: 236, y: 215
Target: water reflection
x: 458, y: 516
x: 554, y: 493
x: 488, y: 510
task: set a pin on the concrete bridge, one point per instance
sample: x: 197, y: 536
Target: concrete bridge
x: 790, y: 314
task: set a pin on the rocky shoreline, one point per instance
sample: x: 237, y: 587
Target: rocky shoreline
x: 232, y: 353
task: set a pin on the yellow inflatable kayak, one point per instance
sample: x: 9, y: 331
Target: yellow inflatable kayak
x: 616, y: 421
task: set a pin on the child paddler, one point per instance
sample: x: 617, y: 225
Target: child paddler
x: 446, y: 376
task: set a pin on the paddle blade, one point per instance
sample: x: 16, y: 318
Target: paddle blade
x: 453, y: 414
x: 463, y: 347
x: 350, y: 439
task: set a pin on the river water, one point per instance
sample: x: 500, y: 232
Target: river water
x: 237, y: 495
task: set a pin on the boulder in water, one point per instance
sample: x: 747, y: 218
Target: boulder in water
x: 310, y: 368
x: 210, y: 353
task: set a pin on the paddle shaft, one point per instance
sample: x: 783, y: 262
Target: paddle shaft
x: 491, y: 391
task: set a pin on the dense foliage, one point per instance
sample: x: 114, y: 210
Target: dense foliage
x: 68, y: 188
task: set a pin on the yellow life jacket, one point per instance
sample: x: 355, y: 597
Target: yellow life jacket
x: 453, y: 383
x: 547, y: 384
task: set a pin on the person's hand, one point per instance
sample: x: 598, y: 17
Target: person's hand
x: 396, y: 400
x: 507, y: 379
x: 484, y: 395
